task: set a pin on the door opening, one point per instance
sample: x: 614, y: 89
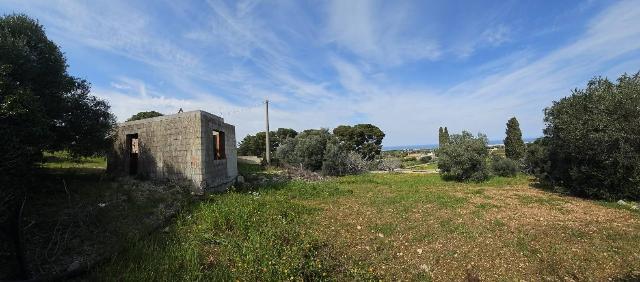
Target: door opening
x: 134, y: 153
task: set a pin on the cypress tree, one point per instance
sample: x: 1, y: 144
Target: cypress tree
x: 440, y: 135
x: 513, y: 145
x: 445, y: 135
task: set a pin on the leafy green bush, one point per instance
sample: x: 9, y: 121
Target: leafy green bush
x: 536, y: 160
x: 409, y: 159
x: 504, y: 166
x: 464, y: 158
x: 339, y: 161
x: 593, y: 139
x: 425, y: 159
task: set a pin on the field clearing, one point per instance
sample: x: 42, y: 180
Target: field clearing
x: 390, y: 227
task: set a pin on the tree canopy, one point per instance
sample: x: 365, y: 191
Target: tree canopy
x: 592, y: 139
x: 443, y: 136
x: 42, y: 107
x: 255, y: 145
x: 364, y: 139
x: 513, y: 144
x: 143, y: 115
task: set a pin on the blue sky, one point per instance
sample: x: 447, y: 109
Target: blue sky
x: 406, y: 66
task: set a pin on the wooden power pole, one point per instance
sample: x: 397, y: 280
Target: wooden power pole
x: 268, y: 158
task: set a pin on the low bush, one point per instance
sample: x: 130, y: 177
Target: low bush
x: 409, y: 159
x: 464, y: 158
x: 339, y: 161
x: 504, y: 166
x: 425, y: 159
x: 389, y: 164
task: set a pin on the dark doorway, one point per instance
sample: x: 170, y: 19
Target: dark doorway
x: 134, y: 153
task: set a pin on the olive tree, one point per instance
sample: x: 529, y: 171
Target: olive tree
x: 592, y: 139
x: 464, y: 158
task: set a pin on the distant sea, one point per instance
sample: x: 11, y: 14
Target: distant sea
x: 433, y: 146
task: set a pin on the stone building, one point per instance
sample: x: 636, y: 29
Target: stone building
x: 195, y: 146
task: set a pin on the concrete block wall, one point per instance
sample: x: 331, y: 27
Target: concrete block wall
x: 177, y: 146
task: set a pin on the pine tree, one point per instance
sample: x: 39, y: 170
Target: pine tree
x: 513, y: 145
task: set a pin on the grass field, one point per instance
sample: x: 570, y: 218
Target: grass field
x: 390, y: 227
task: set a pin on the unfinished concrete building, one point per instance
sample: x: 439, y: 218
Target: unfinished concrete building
x: 195, y: 146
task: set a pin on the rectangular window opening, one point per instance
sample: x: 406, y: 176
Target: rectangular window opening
x: 134, y: 152
x: 218, y: 145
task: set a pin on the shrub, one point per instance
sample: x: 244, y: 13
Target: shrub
x: 464, y: 158
x: 338, y: 161
x: 389, y: 164
x: 409, y: 159
x: 285, y: 152
x: 504, y: 166
x: 593, y: 139
x: 536, y: 160
x: 425, y: 159
x: 310, y: 147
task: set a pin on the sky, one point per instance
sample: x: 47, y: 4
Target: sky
x: 408, y: 67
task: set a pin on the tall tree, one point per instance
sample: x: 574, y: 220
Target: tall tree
x: 284, y: 133
x: 42, y: 107
x: 143, y: 115
x: 445, y: 135
x: 592, y: 139
x: 440, y: 140
x: 513, y: 144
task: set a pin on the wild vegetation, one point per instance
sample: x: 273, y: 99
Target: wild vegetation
x: 42, y: 107
x: 389, y: 227
x: 255, y: 145
x: 591, y: 144
x: 143, y: 115
x: 480, y: 218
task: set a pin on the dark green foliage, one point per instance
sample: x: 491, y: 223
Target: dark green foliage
x: 306, y: 149
x: 365, y: 139
x: 143, y: 115
x: 593, y: 139
x: 284, y: 133
x: 513, y: 144
x: 443, y: 136
x: 42, y: 107
x: 536, y: 160
x: 504, y: 166
x: 255, y: 145
x: 425, y: 159
x: 464, y: 158
x: 335, y: 159
x: 310, y: 148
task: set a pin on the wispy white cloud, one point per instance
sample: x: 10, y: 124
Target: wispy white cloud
x: 324, y: 71
x: 362, y: 27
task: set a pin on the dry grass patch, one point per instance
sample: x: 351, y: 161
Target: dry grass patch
x: 411, y: 227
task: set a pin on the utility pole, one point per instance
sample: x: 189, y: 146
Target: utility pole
x: 268, y: 158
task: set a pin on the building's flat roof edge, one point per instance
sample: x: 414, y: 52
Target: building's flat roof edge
x: 166, y: 117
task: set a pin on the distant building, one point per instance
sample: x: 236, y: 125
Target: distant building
x: 195, y: 146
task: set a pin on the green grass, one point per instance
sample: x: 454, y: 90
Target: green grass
x: 63, y: 160
x: 385, y: 226
x: 427, y: 166
x: 247, y: 236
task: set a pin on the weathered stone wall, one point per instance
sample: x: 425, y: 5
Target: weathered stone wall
x: 177, y: 146
x: 218, y: 174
